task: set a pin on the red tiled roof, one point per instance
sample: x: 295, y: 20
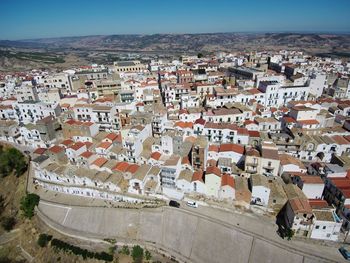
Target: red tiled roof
x: 213, y: 170
x: 122, y: 166
x: 247, y: 122
x: 156, y: 155
x: 341, y: 182
x: 254, y: 134
x: 289, y: 120
x: 56, y: 149
x: 75, y: 122
x: 318, y: 203
x: 308, y: 122
x: 185, y: 160
x: 311, y: 179
x: 243, y: 131
x: 227, y: 180
x: 197, y: 176
x: 184, y: 125
x: 213, y: 148
x: 254, y: 91
x: 86, y: 154
x: 104, y: 145
x: 100, y: 161
x: 340, y: 140
x: 183, y: 111
x: 40, y: 151
x: 88, y: 144
x: 67, y: 142
x: 112, y: 136
x: 132, y: 168
x: 300, y: 205
x: 200, y: 121
x: 231, y: 147
x: 77, y: 146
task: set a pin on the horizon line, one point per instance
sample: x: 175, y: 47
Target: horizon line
x: 340, y: 32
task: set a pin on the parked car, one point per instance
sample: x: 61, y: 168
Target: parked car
x: 345, y: 253
x: 192, y: 204
x: 174, y: 203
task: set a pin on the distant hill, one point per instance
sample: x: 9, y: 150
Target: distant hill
x: 65, y: 52
x: 190, y: 42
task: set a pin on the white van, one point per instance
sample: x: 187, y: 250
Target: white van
x: 192, y: 204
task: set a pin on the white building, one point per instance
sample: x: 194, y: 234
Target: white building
x: 326, y: 225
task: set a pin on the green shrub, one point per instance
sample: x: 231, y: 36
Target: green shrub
x: 125, y: 250
x: 12, y: 160
x: 111, y: 250
x: 43, y: 240
x: 66, y: 247
x: 8, y: 223
x: 28, y: 203
x: 137, y: 253
x: 148, y: 255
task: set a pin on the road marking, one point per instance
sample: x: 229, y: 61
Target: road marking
x: 60, y: 206
x: 64, y: 220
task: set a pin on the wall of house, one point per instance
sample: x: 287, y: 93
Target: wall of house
x: 313, y: 191
x: 326, y: 230
x: 212, y: 184
x: 261, y: 192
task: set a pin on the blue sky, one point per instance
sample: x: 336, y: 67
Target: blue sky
x: 21, y: 19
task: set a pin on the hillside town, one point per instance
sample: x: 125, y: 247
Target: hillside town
x: 269, y: 130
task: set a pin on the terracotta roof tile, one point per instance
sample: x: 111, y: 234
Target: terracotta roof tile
x: 100, y: 161
x: 56, y: 149
x: 197, y: 176
x: 213, y: 148
x: 213, y: 170
x: 112, y: 136
x: 226, y: 179
x: 40, y: 151
x: 231, y: 147
x: 104, y: 145
x: 132, y: 168
x: 156, y: 155
x: 77, y: 146
x: 86, y: 154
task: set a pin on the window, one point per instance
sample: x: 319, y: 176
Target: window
x: 317, y: 227
x: 324, y: 227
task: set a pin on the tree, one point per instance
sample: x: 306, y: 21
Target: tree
x: 148, y: 255
x: 28, y: 203
x: 137, y: 253
x: 8, y: 223
x: 111, y: 250
x: 12, y: 160
x: 200, y: 55
x: 289, y: 233
x: 43, y: 240
x: 125, y: 250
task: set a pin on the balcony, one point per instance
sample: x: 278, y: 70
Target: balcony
x: 251, y: 170
x: 268, y: 167
x: 251, y: 164
x: 129, y: 144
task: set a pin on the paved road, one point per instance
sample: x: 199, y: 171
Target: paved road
x: 199, y: 234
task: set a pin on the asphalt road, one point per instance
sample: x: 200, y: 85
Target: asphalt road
x: 202, y: 234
